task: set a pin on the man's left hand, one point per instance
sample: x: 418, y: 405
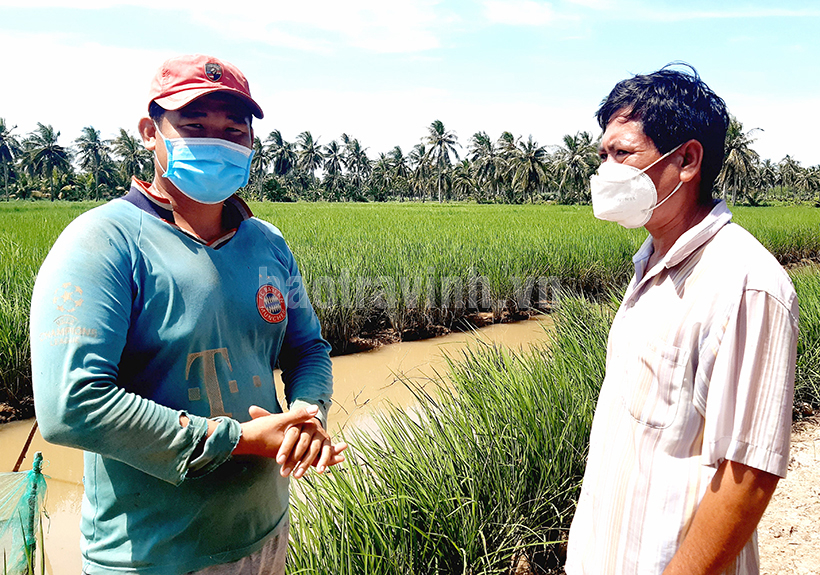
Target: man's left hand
x: 304, y: 445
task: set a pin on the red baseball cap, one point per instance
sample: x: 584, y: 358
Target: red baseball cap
x: 181, y: 80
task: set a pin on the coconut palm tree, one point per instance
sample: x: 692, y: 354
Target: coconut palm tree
x: 43, y: 155
x: 283, y: 155
x: 10, y: 150
x: 806, y: 182
x: 811, y: 180
x: 488, y: 162
x: 93, y: 153
x: 400, y: 169
x: 464, y: 183
x: 356, y: 162
x: 260, y: 165
x: 442, y: 144
x: 739, y: 159
x: 421, y: 168
x: 789, y: 171
x: 309, y: 154
x: 381, y: 178
x: 529, y: 168
x: 333, y: 158
x: 134, y: 159
x: 507, y: 146
x: 769, y: 174
x: 334, y: 164
x: 574, y: 163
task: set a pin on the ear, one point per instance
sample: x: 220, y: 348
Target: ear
x: 148, y: 132
x: 692, y: 153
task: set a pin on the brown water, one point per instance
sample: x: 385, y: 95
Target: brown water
x: 363, y: 382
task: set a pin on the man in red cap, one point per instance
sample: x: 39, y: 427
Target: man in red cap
x: 157, y: 321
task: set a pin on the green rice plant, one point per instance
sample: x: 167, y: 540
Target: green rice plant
x: 415, y: 269
x: 790, y: 233
x: 30, y: 554
x: 480, y: 474
x: 411, y: 267
x: 807, y: 377
x: 27, y: 232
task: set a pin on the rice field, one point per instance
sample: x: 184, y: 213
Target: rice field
x: 807, y: 379
x: 481, y: 476
x: 407, y: 269
x: 27, y: 231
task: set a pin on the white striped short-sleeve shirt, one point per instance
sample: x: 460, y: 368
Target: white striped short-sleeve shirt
x: 700, y: 368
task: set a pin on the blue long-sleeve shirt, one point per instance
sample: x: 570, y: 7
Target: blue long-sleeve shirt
x: 133, y: 323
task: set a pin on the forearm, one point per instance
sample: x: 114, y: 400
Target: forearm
x: 307, y: 376
x: 725, y: 520
x: 96, y: 416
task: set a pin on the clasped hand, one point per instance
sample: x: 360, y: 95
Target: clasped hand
x: 296, y: 440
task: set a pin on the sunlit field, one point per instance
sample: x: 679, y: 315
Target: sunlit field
x: 407, y: 270
x: 482, y: 474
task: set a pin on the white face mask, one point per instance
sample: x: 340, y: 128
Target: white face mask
x: 624, y: 194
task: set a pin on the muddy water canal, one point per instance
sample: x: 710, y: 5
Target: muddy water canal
x: 363, y: 382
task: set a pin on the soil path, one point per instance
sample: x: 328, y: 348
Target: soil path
x: 789, y: 533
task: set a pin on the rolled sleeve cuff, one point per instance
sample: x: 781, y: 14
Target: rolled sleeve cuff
x: 217, y: 448
x: 321, y: 416
x: 747, y: 454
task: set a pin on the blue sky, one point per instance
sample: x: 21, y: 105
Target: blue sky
x: 382, y: 71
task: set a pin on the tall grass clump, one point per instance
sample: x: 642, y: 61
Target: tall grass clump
x: 402, y: 271
x: 415, y: 267
x: 478, y: 476
x: 790, y: 233
x: 807, y: 377
x: 16, y: 283
x: 27, y: 232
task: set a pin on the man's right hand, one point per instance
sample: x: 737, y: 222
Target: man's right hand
x: 265, y: 434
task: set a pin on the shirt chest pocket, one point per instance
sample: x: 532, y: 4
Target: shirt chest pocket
x: 654, y: 378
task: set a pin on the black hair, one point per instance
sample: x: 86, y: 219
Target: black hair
x: 674, y: 107
x: 155, y: 111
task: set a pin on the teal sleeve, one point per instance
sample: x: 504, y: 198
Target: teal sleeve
x: 80, y: 318
x: 305, y: 355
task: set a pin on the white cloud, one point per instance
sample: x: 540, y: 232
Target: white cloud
x: 79, y: 4
x: 384, y: 119
x: 595, y: 4
x: 373, y: 25
x: 786, y: 126
x: 311, y: 25
x: 756, y: 13
x: 518, y: 12
x: 71, y: 84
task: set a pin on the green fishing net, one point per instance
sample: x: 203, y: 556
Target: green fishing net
x: 21, y: 499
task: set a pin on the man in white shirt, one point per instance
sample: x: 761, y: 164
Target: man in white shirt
x: 691, y: 431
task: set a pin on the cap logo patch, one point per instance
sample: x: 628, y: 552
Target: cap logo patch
x: 271, y: 304
x: 213, y: 71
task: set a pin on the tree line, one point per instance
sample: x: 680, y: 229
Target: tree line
x: 509, y: 169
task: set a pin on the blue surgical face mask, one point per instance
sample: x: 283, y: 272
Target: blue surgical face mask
x: 207, y: 170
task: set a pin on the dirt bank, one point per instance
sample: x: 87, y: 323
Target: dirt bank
x: 789, y: 533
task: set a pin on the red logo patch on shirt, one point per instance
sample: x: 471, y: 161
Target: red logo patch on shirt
x: 271, y: 304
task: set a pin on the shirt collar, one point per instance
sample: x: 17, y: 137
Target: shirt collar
x: 687, y: 243
x: 142, y: 196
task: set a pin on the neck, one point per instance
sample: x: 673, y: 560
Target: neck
x: 667, y: 231
x: 201, y: 220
